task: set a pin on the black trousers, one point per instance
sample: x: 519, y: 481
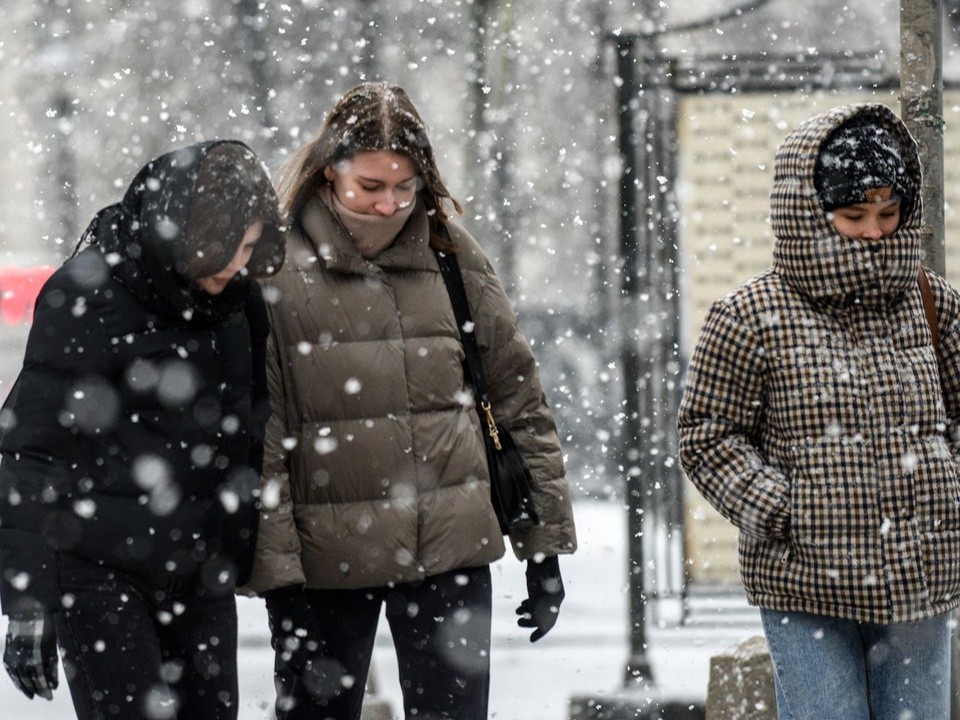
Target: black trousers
x: 133, y: 650
x: 441, y: 632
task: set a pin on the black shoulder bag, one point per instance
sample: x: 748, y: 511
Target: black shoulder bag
x: 510, y: 477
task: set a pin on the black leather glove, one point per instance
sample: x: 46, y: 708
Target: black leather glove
x: 30, y: 654
x: 545, y: 593
x: 293, y: 627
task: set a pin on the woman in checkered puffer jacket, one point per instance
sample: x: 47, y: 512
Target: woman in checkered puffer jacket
x: 817, y: 418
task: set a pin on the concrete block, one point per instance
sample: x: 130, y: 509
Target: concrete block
x: 741, y: 683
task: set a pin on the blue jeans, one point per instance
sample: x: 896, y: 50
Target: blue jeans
x: 832, y: 668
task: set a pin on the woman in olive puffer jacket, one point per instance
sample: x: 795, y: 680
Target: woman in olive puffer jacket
x: 375, y: 486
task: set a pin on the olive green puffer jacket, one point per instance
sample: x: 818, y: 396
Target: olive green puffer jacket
x: 374, y: 468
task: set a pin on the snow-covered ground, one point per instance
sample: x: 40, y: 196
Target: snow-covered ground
x: 585, y: 653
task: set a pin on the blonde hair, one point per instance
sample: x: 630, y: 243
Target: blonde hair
x: 369, y: 117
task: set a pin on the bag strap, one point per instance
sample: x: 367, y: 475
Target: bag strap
x: 453, y: 279
x: 929, y: 306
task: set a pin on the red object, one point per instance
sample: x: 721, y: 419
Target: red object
x: 19, y: 288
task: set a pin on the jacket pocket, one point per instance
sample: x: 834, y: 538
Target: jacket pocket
x: 941, y: 565
x: 833, y: 496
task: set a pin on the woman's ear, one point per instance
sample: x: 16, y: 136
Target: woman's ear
x: 328, y: 173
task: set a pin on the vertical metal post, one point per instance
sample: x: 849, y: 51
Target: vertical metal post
x: 638, y: 670
x: 65, y: 167
x: 55, y: 65
x: 475, y: 150
x: 504, y: 192
x: 368, y: 15
x: 921, y: 105
x: 496, y: 196
x: 255, y: 51
x: 603, y: 312
x: 665, y: 287
x: 650, y: 334
x: 649, y: 316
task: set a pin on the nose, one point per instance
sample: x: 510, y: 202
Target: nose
x: 387, y: 206
x: 235, y: 266
x: 872, y: 230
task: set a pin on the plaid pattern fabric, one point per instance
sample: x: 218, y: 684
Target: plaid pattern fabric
x: 30, y: 656
x: 813, y: 416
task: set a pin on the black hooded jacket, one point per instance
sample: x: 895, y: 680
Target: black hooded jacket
x: 133, y: 435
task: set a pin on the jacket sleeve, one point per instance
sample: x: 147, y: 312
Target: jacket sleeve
x: 518, y: 401
x: 276, y: 562
x: 719, y: 417
x: 64, y: 397
x: 238, y: 526
x: 260, y: 390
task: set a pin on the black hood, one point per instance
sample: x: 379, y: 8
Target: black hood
x: 183, y: 218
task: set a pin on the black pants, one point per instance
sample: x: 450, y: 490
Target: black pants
x: 441, y: 632
x: 132, y: 650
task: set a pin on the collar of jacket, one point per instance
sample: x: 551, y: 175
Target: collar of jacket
x: 808, y: 252
x: 337, y: 252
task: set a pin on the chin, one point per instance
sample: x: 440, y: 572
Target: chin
x: 212, y: 289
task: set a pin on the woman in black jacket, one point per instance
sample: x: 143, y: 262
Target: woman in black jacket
x: 132, y: 444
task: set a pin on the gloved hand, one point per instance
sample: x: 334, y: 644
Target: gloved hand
x: 30, y: 654
x: 293, y: 627
x: 545, y: 593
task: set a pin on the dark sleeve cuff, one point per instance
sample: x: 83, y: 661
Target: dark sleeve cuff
x: 28, y: 573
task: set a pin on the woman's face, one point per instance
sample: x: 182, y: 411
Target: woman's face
x: 374, y: 182
x: 215, y: 284
x: 873, y: 220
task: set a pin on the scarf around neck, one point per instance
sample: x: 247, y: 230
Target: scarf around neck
x: 371, y: 234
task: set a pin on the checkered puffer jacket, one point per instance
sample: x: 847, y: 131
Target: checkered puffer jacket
x: 817, y: 418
